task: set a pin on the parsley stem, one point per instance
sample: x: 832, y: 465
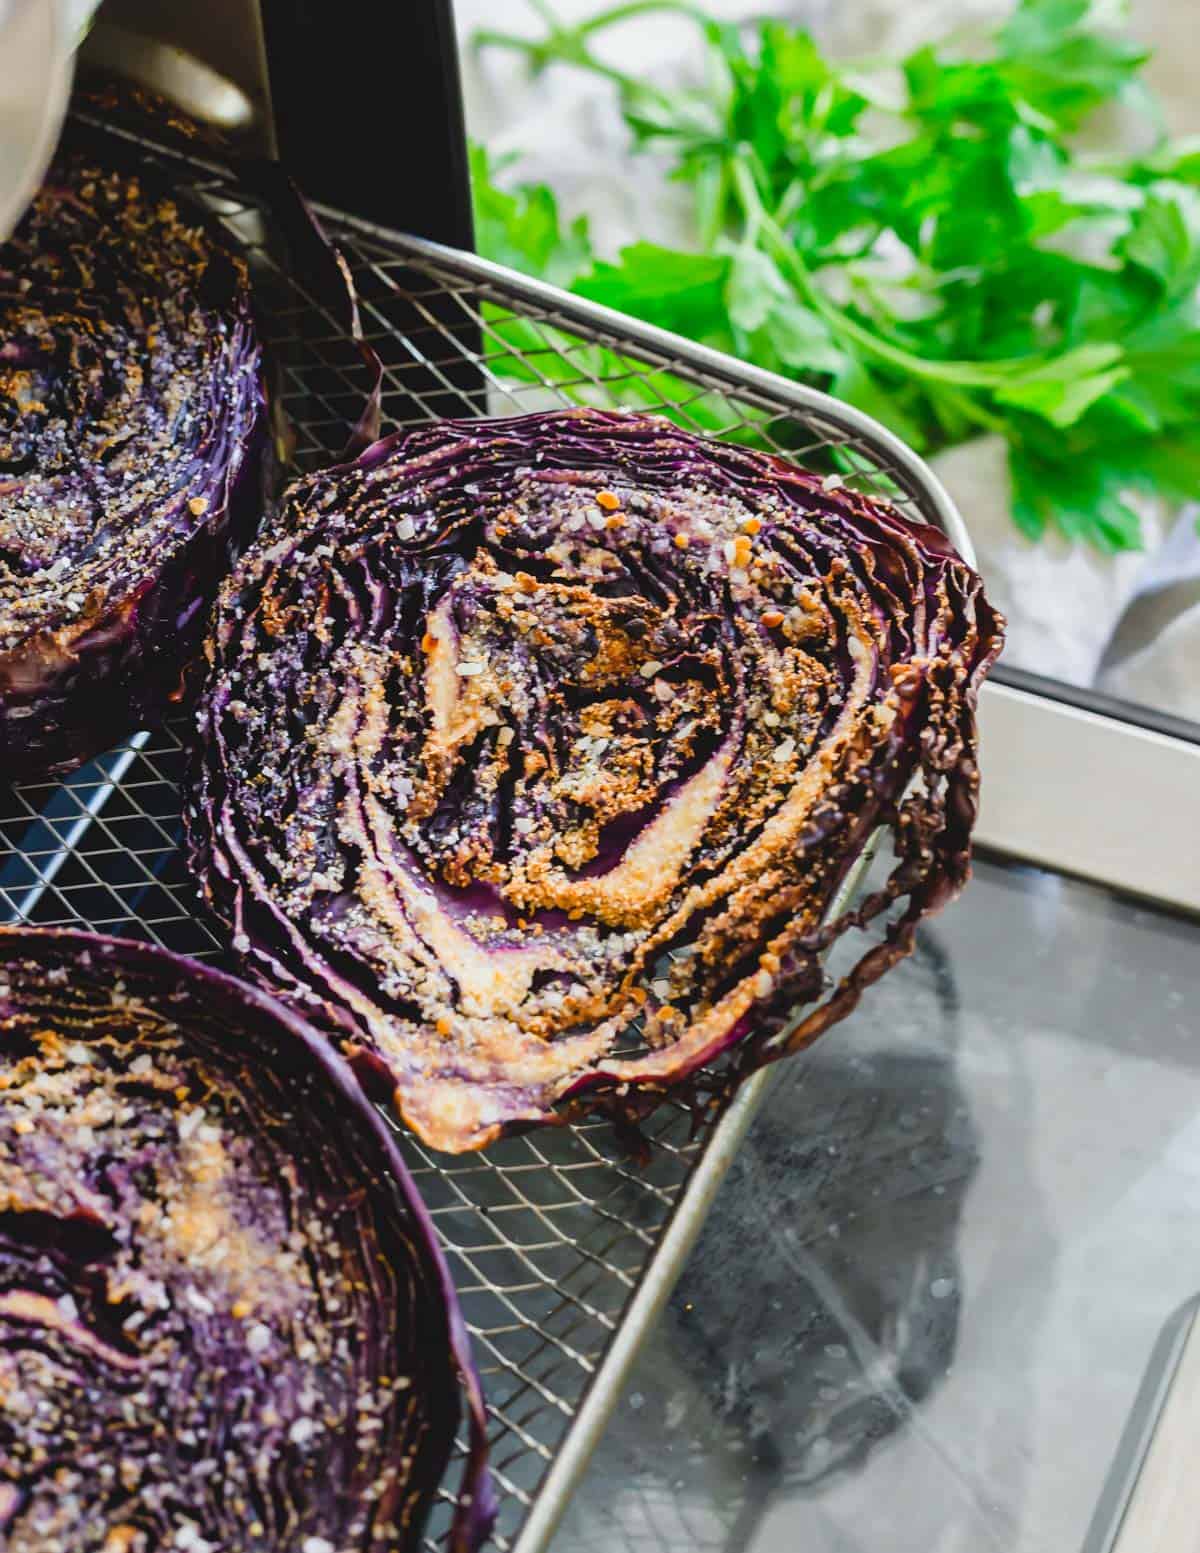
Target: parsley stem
x: 568, y: 45
x: 562, y: 48
x: 621, y: 13
x: 965, y: 374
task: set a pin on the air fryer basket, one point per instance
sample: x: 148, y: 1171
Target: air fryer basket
x: 563, y: 1248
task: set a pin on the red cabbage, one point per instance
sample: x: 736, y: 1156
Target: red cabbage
x: 132, y: 440
x: 533, y: 753
x: 224, y: 1320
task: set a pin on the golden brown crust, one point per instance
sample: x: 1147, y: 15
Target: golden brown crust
x: 533, y: 775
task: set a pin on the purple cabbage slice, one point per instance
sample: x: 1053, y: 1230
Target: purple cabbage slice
x: 225, y: 1323
x: 525, y: 738
x: 133, y: 439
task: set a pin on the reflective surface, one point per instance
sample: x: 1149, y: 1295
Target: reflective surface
x: 920, y: 1311
x: 35, y: 76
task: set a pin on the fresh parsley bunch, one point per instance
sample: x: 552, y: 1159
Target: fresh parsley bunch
x: 944, y: 255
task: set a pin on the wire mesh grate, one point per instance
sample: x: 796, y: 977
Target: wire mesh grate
x: 548, y: 1235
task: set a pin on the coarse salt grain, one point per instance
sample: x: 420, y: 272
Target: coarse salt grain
x: 188, y: 1537
x: 784, y: 751
x: 405, y: 529
x: 650, y: 668
x: 189, y: 1122
x: 258, y: 1338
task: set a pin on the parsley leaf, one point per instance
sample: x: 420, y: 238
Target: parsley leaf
x: 682, y: 292
x: 946, y: 259
x: 523, y: 229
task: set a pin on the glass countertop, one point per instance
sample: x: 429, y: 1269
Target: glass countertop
x: 918, y: 1315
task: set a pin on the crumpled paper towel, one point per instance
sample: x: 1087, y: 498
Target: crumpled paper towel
x: 1154, y: 654
x: 1062, y: 600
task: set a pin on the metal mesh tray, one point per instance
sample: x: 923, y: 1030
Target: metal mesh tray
x: 561, y: 1246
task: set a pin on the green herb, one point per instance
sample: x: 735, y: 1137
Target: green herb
x: 923, y: 238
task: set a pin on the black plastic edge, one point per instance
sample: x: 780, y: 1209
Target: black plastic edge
x: 368, y: 110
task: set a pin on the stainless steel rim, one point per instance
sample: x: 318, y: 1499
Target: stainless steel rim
x: 599, y: 321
